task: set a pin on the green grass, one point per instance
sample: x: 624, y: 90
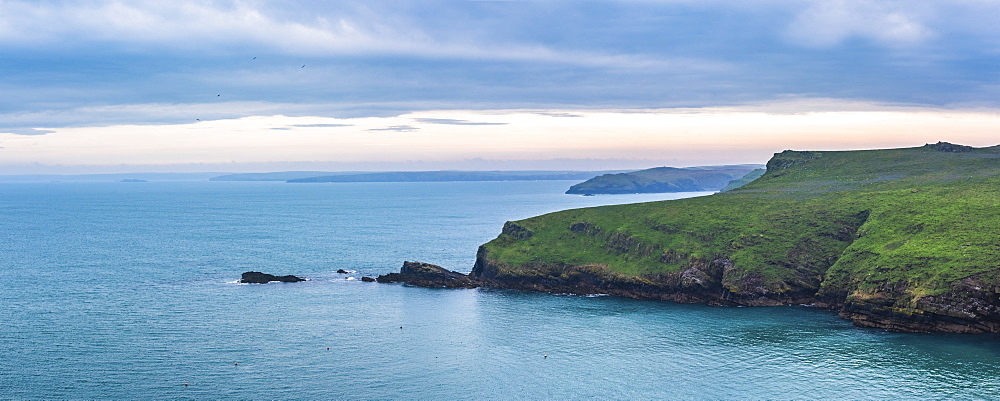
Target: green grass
x: 857, y: 223
x: 746, y: 179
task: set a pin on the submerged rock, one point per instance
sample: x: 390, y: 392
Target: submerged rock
x: 367, y: 279
x: 428, y: 275
x: 264, y: 278
x: 342, y: 271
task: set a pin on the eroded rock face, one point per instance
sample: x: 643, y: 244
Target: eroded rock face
x: 701, y: 282
x: 971, y: 306
x: 428, y: 275
x: 515, y: 230
x: 264, y: 278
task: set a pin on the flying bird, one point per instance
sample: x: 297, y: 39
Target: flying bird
x: 303, y: 66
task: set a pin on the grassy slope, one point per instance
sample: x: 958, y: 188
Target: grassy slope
x: 845, y: 224
x: 753, y: 175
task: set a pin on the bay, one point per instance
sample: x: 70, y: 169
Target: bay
x: 128, y: 290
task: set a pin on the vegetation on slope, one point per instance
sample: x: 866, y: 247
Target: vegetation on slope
x: 663, y: 179
x: 746, y: 179
x: 894, y: 228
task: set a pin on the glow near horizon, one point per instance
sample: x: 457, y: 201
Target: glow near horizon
x: 717, y: 135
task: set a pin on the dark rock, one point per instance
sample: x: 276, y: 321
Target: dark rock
x: 971, y: 306
x: 948, y: 147
x: 342, y: 271
x: 703, y: 281
x: 367, y: 279
x: 585, y: 228
x: 264, y: 278
x: 428, y: 275
x: 516, y: 231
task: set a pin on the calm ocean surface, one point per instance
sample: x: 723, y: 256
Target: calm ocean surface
x: 127, y: 290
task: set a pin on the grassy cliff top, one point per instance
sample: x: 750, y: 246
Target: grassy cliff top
x: 898, y: 223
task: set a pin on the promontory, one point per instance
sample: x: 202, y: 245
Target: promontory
x: 900, y: 239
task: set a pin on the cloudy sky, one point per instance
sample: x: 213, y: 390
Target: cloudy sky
x: 103, y: 86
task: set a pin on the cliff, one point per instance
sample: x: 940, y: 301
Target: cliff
x: 901, y: 239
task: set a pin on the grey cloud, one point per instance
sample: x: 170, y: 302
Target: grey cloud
x: 552, y: 114
x: 551, y: 55
x: 322, y: 125
x: 25, y: 131
x: 449, y: 121
x: 397, y: 128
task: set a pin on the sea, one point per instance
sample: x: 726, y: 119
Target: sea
x: 112, y: 290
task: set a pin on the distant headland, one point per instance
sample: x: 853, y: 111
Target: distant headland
x: 664, y: 179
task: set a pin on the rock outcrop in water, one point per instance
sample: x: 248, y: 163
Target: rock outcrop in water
x: 428, y: 275
x: 264, y: 278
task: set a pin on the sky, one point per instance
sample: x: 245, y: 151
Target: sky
x: 124, y: 86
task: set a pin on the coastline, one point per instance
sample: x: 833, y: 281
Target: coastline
x: 970, y: 313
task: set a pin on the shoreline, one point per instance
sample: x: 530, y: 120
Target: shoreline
x: 593, y: 280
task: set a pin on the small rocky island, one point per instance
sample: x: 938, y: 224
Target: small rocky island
x: 264, y: 278
x: 428, y: 275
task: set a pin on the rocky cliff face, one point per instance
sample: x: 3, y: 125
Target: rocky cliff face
x: 973, y: 306
x: 701, y: 282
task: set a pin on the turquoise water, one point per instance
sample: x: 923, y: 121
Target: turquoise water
x: 127, y: 290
